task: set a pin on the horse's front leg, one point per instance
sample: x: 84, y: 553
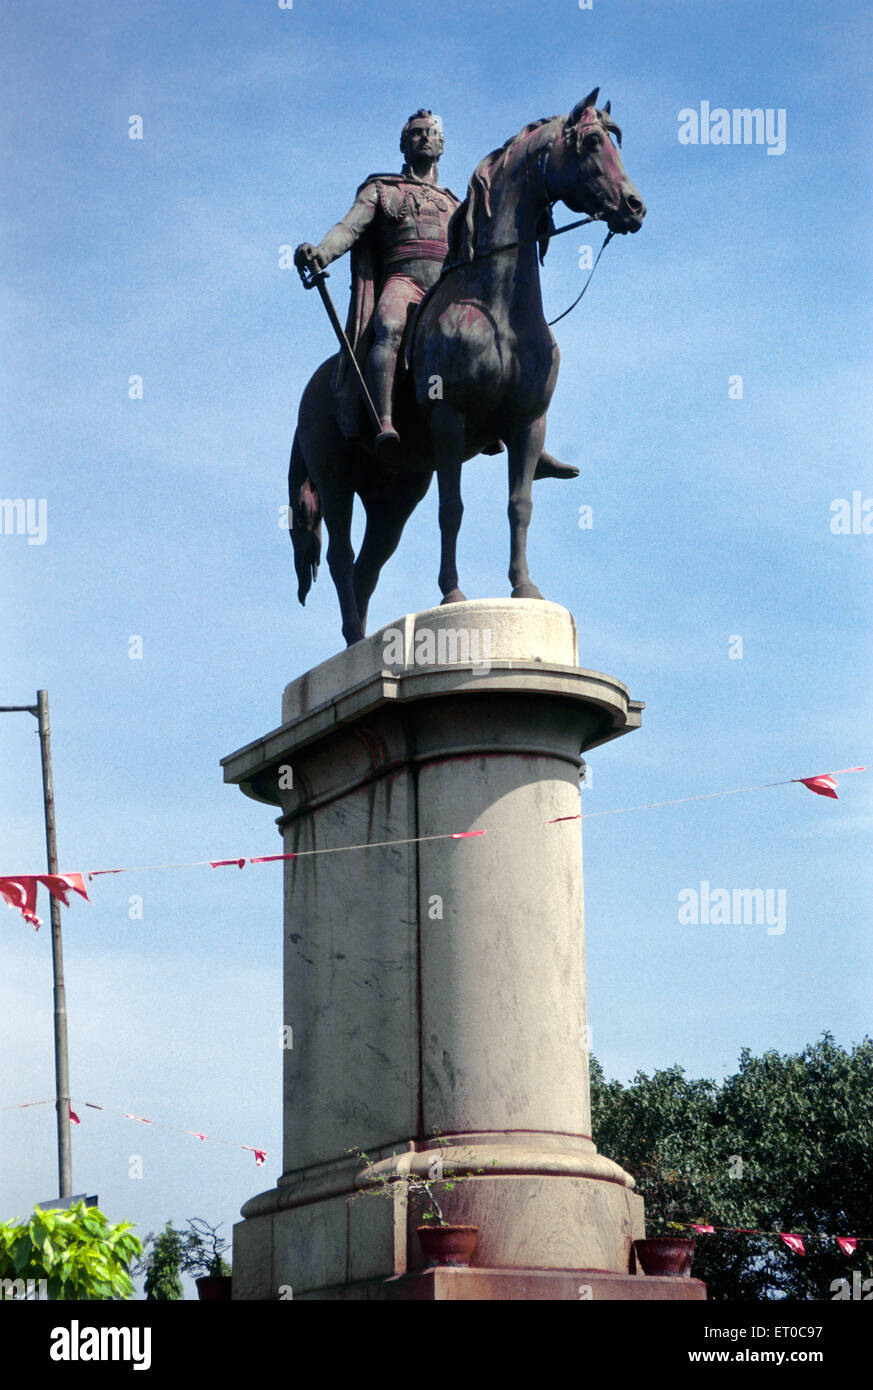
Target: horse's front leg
x: 448, y: 443
x: 525, y: 446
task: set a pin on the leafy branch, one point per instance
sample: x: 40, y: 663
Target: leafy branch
x: 438, y: 1176
x: 76, y: 1251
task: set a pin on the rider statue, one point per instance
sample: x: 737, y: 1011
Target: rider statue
x: 397, y: 231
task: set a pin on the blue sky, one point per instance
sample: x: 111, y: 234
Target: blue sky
x: 160, y: 257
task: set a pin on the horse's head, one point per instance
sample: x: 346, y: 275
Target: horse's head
x: 585, y: 169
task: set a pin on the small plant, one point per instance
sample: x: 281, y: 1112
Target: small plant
x: 203, y: 1250
x: 671, y: 1198
x: 75, y: 1250
x: 438, y: 1176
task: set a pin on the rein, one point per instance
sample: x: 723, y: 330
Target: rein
x: 529, y: 241
x: 607, y: 240
x: 511, y: 246
x: 546, y: 236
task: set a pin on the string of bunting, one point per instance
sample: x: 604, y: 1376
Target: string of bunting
x: 795, y: 1242
x: 847, y: 1244
x: 19, y: 890
x: 261, y: 1155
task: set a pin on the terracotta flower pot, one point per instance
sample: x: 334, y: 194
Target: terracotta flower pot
x: 214, y: 1287
x: 666, y: 1255
x: 448, y: 1245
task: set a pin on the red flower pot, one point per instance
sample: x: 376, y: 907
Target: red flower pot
x: 448, y: 1245
x: 214, y: 1287
x: 666, y: 1255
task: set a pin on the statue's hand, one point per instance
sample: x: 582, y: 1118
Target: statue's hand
x: 307, y: 255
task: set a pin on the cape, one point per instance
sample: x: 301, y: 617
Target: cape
x: 367, y: 277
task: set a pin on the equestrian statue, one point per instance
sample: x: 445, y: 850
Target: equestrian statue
x: 446, y: 351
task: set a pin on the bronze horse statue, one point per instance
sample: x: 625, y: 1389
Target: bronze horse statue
x: 481, y: 333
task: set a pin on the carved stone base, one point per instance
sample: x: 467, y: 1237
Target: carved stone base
x: 444, y: 1285
x: 524, y: 1220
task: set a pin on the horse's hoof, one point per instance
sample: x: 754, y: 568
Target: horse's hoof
x: 454, y: 596
x: 354, y: 636
x: 527, y: 590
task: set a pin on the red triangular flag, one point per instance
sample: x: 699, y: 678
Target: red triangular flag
x: 794, y: 1243
x: 822, y: 786
x: 826, y: 783
x: 703, y: 1230
x: 21, y: 893
x: 74, y: 1118
x: 847, y: 1244
x: 59, y: 885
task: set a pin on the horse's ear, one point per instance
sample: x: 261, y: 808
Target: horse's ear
x: 608, y: 107
x: 583, y: 106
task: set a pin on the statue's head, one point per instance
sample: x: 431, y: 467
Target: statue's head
x: 422, y: 135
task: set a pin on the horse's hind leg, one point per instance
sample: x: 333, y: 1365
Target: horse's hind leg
x: 525, y: 447
x: 388, y: 508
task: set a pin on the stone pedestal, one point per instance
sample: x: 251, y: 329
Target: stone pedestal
x: 447, y: 1285
x: 434, y: 975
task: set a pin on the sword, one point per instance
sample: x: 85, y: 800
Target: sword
x: 314, y: 279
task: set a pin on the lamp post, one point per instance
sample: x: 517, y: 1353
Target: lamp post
x: 62, y: 1066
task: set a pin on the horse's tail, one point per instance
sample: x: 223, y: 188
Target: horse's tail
x: 305, y: 521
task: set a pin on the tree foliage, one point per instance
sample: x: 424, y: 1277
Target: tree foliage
x: 784, y: 1144
x: 163, y: 1263
x: 76, y: 1251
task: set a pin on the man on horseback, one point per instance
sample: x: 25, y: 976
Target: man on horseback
x: 397, y: 232
x: 480, y: 332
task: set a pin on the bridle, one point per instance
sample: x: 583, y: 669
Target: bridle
x: 552, y: 231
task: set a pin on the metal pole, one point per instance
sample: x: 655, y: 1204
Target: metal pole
x: 62, y: 1065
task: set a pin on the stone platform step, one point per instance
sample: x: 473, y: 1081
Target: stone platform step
x: 444, y: 1284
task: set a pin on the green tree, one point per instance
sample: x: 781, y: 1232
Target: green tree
x: 76, y: 1251
x: 784, y: 1144
x: 163, y: 1264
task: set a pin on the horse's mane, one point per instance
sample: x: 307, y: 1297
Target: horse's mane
x: 475, y: 211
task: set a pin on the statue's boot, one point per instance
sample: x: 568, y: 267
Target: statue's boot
x: 547, y: 465
x: 381, y: 383
x: 550, y: 467
x: 387, y: 439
